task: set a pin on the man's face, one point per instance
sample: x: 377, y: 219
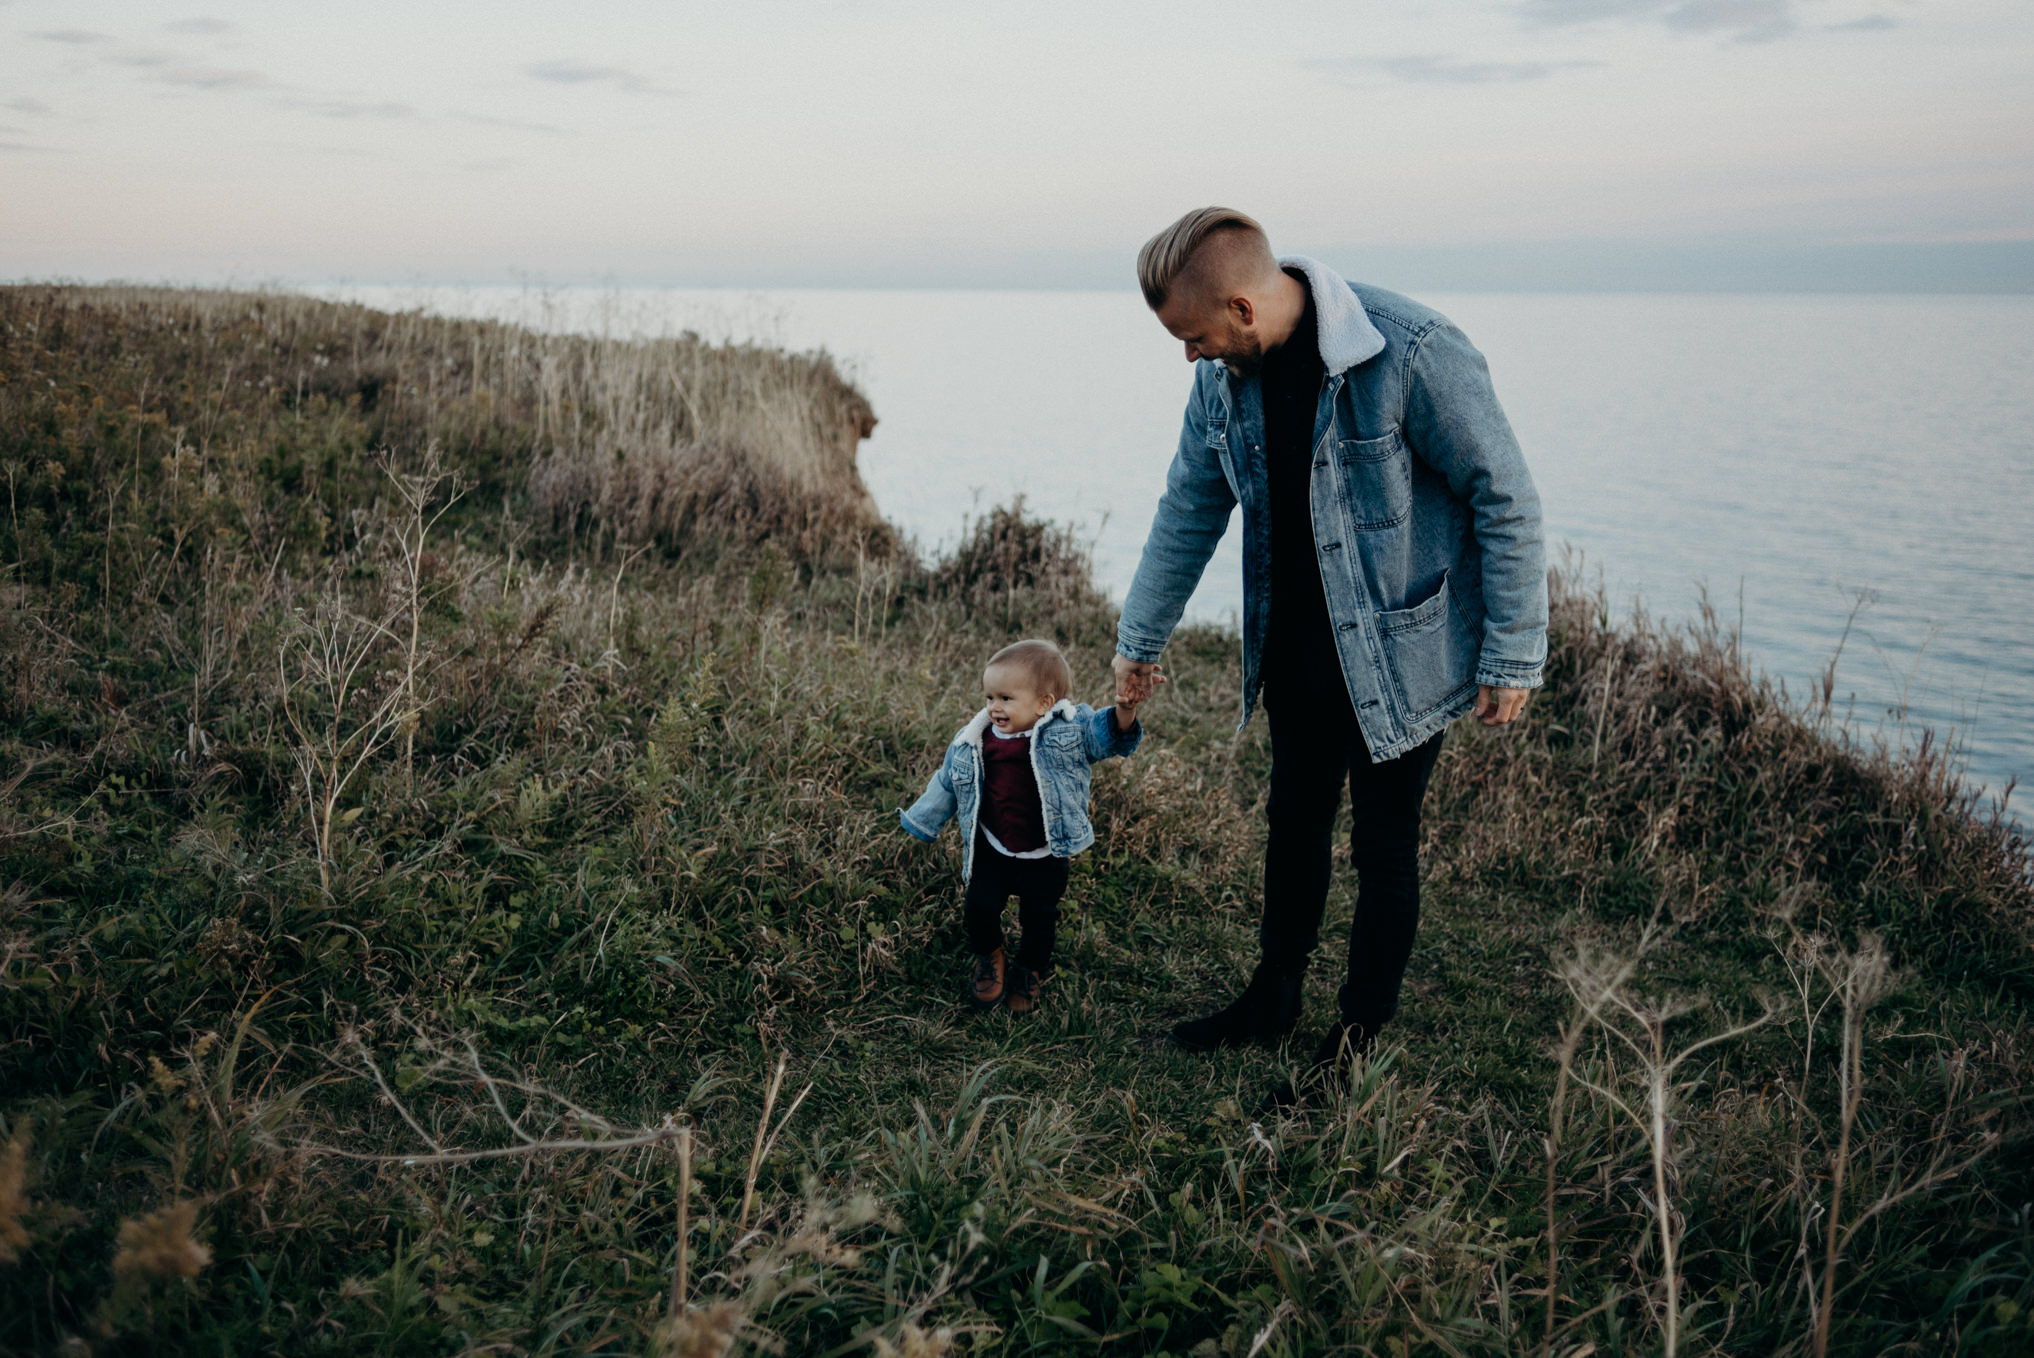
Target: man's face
x: 1216, y: 331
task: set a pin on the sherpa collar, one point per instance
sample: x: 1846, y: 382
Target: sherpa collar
x: 971, y: 734
x: 1346, y: 335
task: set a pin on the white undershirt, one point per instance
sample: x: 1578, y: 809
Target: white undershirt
x: 989, y: 834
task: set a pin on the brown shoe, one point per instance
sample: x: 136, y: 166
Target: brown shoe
x: 1022, y: 996
x: 986, y: 990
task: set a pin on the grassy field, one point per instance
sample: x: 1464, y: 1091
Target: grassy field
x: 451, y: 902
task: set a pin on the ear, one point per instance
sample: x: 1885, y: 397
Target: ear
x: 1242, y: 310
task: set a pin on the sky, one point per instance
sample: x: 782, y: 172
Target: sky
x: 863, y: 143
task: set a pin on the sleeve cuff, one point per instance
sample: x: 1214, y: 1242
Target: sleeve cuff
x: 913, y: 830
x: 1144, y: 653
x: 1530, y: 678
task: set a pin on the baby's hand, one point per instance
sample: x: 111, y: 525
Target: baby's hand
x: 1135, y: 682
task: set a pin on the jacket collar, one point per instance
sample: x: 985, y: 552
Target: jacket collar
x: 971, y: 734
x: 1346, y: 335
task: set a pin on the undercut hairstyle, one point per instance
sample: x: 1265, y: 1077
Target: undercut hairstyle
x: 1167, y: 260
x: 1042, y: 662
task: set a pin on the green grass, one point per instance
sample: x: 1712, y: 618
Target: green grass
x: 623, y: 840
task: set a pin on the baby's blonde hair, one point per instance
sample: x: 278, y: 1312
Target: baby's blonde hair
x: 1042, y: 661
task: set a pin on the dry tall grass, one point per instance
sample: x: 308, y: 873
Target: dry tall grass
x: 559, y: 983
x: 616, y: 442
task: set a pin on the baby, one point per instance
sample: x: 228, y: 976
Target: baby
x: 1018, y: 778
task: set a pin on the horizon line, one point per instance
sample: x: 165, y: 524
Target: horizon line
x: 1729, y: 267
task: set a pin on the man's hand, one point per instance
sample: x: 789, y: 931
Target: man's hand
x: 1499, y: 706
x: 1137, y: 680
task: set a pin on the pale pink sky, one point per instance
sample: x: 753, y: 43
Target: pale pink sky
x: 773, y: 141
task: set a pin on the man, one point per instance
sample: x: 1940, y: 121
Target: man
x: 1394, y: 579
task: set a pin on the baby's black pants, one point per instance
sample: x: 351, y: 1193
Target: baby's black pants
x: 1037, y: 883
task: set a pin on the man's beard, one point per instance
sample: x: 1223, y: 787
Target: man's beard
x: 1245, y: 352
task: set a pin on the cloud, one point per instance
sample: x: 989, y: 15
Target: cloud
x: 1742, y: 20
x: 567, y: 71
x: 1747, y: 20
x: 512, y: 124
x: 1588, y: 11
x: 395, y: 111
x: 76, y: 37
x: 1433, y: 69
x: 35, y: 108
x: 386, y: 111
x: 347, y: 152
x: 1871, y: 23
x: 199, y: 27
x: 213, y: 78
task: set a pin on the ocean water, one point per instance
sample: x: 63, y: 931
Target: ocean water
x: 1814, y: 463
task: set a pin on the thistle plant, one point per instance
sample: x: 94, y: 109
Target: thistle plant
x: 1649, y: 1092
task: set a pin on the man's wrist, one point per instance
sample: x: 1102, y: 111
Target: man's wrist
x: 1141, y: 653
x: 1505, y: 676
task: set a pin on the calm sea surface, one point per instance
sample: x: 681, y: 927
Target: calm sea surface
x: 1800, y: 457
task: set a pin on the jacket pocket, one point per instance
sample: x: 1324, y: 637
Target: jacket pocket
x: 1431, y: 649
x: 1218, y: 448
x: 1062, y: 738
x: 1062, y: 759
x: 1376, y: 481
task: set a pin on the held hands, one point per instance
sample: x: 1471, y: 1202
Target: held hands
x: 1136, y: 680
x: 1499, y: 706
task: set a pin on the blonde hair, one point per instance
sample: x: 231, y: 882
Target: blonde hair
x: 1042, y: 662
x: 1167, y: 255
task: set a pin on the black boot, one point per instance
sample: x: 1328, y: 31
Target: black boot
x: 1268, y: 1008
x: 1339, y: 1049
x: 1341, y: 1046
x: 1347, y: 1040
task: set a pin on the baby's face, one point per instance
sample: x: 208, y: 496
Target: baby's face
x: 1015, y: 704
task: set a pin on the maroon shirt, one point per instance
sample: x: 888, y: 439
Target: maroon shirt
x: 1010, y: 806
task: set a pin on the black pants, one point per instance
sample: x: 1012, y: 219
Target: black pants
x: 1037, y: 883
x: 1316, y: 745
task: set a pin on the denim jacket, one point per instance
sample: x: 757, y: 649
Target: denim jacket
x: 1065, y: 745
x: 1426, y: 522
